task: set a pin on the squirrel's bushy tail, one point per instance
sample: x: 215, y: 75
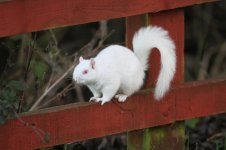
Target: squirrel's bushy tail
x: 151, y: 37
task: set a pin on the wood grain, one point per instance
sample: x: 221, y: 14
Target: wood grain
x: 134, y: 23
x: 21, y: 16
x: 83, y: 121
x: 173, y: 22
x: 74, y: 122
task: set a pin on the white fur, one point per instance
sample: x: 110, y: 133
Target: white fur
x: 143, y: 42
x: 118, y: 72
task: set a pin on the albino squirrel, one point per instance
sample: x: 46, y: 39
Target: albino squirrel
x: 119, y: 72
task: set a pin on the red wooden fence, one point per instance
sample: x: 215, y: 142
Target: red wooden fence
x: 19, y: 16
x: 173, y: 21
x: 77, y: 122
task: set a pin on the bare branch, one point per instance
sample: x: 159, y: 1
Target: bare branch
x: 61, y: 93
x: 101, y: 36
x: 51, y: 87
x: 219, y: 60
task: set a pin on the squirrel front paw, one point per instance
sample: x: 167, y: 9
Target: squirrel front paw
x: 93, y: 98
x: 96, y: 99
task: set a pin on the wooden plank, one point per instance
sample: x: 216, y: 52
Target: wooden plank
x: 73, y: 123
x: 21, y: 16
x: 135, y: 138
x: 171, y: 136
x: 204, y: 105
x: 173, y: 21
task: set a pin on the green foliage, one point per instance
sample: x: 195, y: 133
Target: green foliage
x: 146, y: 145
x: 219, y: 144
x: 192, y: 123
x: 16, y: 85
x: 158, y: 133
x: 39, y: 69
x: 9, y: 99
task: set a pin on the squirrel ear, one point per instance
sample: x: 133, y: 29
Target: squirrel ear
x: 92, y: 63
x: 81, y: 59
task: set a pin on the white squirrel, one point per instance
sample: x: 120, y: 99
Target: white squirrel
x: 119, y: 72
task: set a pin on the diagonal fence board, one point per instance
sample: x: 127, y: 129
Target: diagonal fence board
x: 84, y: 121
x: 21, y: 16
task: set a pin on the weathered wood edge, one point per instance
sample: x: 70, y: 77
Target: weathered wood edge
x: 22, y: 16
x: 184, y: 101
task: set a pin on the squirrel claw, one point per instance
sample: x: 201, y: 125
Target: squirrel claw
x: 121, y: 97
x: 101, y: 100
x: 92, y: 99
x: 102, y: 103
x: 96, y: 99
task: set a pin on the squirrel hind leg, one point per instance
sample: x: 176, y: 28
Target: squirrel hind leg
x: 121, y: 97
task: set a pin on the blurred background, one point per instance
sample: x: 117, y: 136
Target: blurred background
x: 35, y: 71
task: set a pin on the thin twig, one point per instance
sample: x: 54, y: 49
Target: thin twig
x: 48, y: 60
x: 219, y: 60
x: 203, y: 72
x: 53, y: 36
x: 60, y: 94
x: 51, y: 87
x: 50, y: 80
x: 88, y: 53
x: 29, y: 57
x: 79, y: 92
x: 217, y: 135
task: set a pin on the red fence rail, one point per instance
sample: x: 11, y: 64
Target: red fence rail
x: 89, y: 120
x: 73, y: 122
x: 20, y: 16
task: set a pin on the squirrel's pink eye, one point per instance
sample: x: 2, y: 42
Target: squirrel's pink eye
x: 85, y: 72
